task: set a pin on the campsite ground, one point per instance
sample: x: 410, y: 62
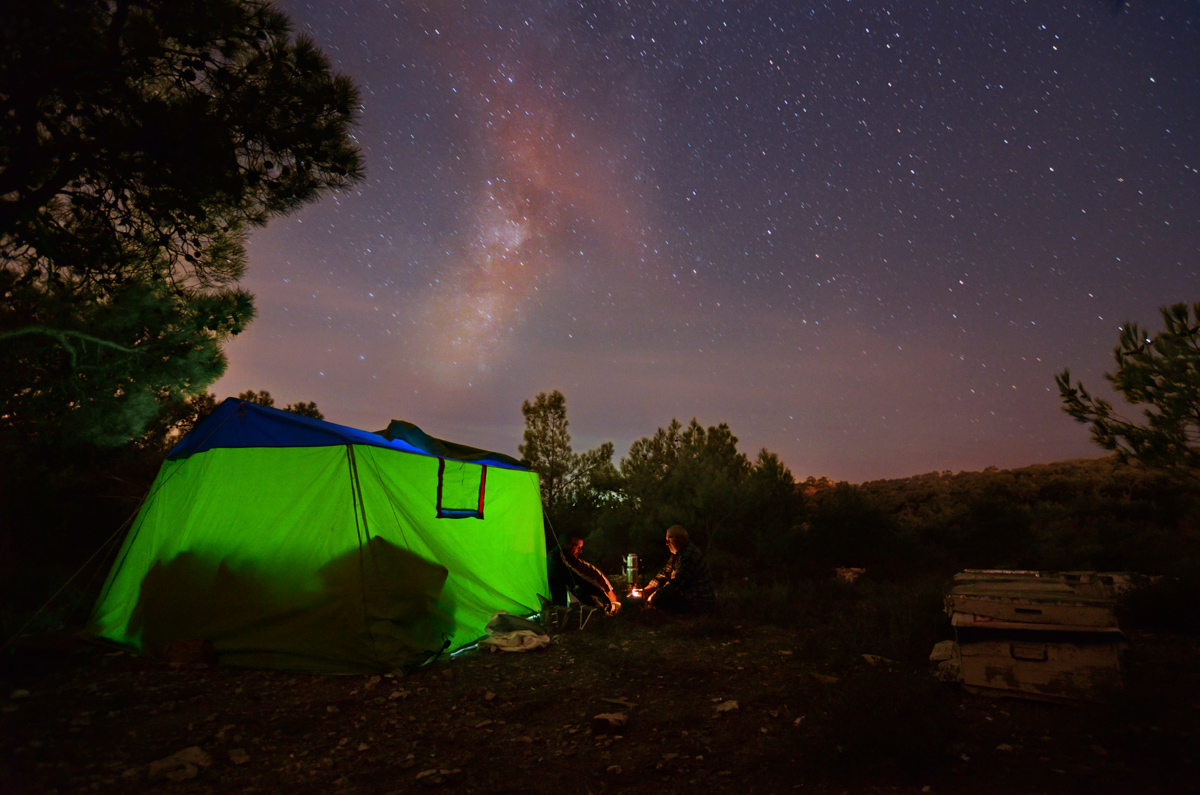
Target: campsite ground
x: 812, y: 715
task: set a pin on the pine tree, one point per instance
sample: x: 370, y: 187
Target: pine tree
x: 1161, y: 373
x: 568, y: 479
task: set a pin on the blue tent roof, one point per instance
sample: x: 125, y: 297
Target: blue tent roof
x: 239, y: 423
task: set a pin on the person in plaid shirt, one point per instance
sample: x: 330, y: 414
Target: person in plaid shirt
x: 685, y: 584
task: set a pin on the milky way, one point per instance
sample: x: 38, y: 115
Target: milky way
x: 865, y: 236
x: 537, y: 180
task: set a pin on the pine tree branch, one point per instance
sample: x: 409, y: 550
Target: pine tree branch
x: 64, y: 338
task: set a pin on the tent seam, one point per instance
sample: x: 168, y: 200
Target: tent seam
x: 360, y: 531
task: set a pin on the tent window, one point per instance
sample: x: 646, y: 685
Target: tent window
x: 460, y: 489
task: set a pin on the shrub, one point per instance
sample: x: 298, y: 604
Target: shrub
x: 1163, y: 603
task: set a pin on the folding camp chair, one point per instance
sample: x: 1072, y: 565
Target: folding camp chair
x: 559, y: 616
x: 585, y: 610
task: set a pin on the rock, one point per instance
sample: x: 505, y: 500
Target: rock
x: 848, y: 574
x: 948, y: 671
x: 829, y: 680
x: 180, y: 765
x: 1004, y: 747
x: 239, y: 756
x: 944, y: 650
x: 875, y: 659
x: 726, y: 706
x: 609, y: 722
x: 436, y: 775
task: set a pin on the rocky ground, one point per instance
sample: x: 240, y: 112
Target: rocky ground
x: 718, y: 704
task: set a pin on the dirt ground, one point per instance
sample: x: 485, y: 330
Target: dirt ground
x: 712, y: 705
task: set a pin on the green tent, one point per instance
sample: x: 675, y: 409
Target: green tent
x: 293, y: 543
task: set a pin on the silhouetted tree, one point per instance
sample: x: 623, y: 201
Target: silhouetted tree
x: 141, y: 139
x: 175, y: 421
x: 179, y: 417
x: 264, y: 398
x: 779, y: 510
x: 849, y: 528
x: 305, y: 409
x: 259, y: 397
x: 681, y: 475
x: 570, y: 482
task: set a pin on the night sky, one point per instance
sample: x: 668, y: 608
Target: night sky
x: 866, y: 235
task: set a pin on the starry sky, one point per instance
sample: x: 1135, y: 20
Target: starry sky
x: 866, y: 235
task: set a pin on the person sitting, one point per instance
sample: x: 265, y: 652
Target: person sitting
x: 685, y: 584
x: 570, y: 574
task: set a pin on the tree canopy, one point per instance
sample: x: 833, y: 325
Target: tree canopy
x: 685, y: 475
x: 568, y: 479
x: 1161, y: 373
x: 142, y: 139
x: 689, y: 475
x: 264, y: 398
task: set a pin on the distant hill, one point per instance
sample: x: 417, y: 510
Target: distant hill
x: 1081, y: 513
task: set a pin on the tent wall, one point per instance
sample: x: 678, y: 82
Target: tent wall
x: 496, y: 563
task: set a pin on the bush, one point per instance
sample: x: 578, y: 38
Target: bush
x: 900, y: 621
x: 1163, y: 603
